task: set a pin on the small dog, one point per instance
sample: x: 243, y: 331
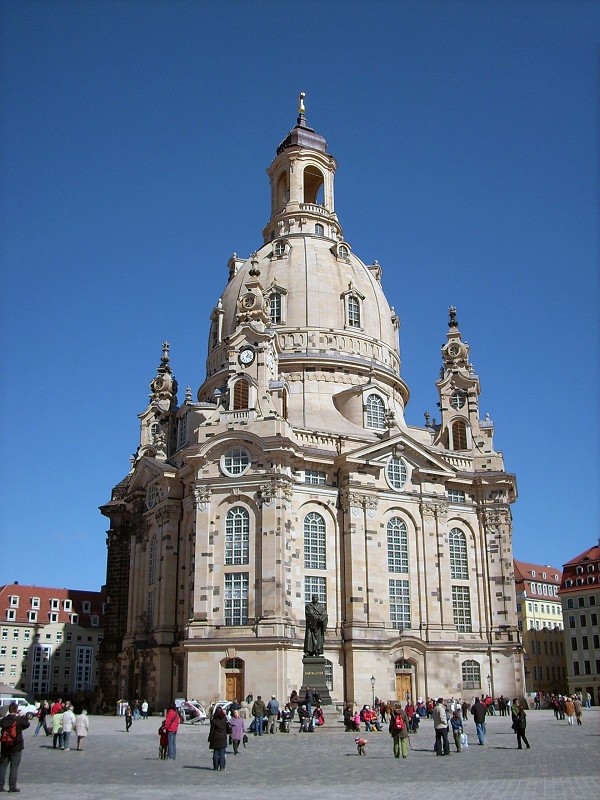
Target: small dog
x: 360, y: 745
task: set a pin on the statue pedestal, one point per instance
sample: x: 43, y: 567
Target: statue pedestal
x: 313, y: 675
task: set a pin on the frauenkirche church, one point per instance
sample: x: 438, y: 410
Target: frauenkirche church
x: 293, y: 474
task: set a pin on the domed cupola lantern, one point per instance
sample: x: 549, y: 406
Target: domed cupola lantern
x: 302, y: 198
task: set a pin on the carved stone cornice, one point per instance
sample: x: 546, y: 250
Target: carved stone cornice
x: 494, y: 518
x: 435, y: 509
x: 355, y: 501
x: 278, y: 488
x: 201, y: 494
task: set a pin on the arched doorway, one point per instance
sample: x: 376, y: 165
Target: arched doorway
x: 404, y: 680
x: 234, y: 679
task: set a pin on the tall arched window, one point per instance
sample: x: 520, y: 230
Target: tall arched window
x: 237, y: 536
x: 459, y: 435
x: 319, y: 229
x: 275, y: 308
x: 375, y: 412
x: 152, y: 562
x: 240, y: 395
x: 353, y: 307
x: 397, y: 542
x: 314, y: 541
x: 471, y: 675
x: 459, y: 569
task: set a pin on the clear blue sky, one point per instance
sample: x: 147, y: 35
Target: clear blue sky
x: 134, y: 140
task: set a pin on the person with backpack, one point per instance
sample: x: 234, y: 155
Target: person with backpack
x: 11, y: 746
x: 399, y: 732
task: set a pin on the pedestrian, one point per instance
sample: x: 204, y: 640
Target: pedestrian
x: 57, y: 730
x: 82, y: 728
x: 478, y: 710
x: 42, y: 714
x: 11, y: 746
x: 588, y: 700
x: 520, y: 723
x: 578, y: 709
x: 457, y: 730
x: 273, y: 713
x: 259, y: 710
x: 440, y: 724
x: 145, y: 709
x: 220, y: 729
x: 136, y: 709
x: 128, y: 718
x: 569, y: 710
x: 171, y: 726
x: 309, y: 699
x: 67, y: 725
x: 304, y: 719
x: 238, y: 729
x: 163, y: 741
x: 294, y: 702
x: 398, y: 729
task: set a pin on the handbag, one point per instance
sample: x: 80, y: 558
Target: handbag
x: 464, y: 741
x: 244, y: 740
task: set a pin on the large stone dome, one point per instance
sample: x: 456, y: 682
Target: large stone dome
x: 325, y: 307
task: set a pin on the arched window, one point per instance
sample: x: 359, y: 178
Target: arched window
x: 152, y: 562
x: 375, y: 412
x: 397, y: 543
x: 313, y: 186
x: 240, y: 395
x: 237, y: 536
x: 471, y: 675
x: 279, y: 248
x: 459, y: 569
x: 319, y: 229
x: 275, y: 308
x: 282, y: 191
x: 314, y: 541
x: 353, y: 310
x: 459, y: 435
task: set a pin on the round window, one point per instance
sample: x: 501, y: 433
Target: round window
x: 457, y: 399
x: 396, y: 472
x: 235, y: 461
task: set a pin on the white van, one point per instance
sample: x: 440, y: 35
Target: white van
x: 25, y: 707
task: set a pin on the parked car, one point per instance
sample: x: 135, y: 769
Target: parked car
x: 191, y: 711
x: 25, y: 707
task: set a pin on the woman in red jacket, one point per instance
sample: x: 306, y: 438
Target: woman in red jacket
x: 171, y: 726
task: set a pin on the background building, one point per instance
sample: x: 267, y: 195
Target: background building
x: 580, y: 598
x: 294, y: 473
x: 49, y: 639
x: 540, y: 621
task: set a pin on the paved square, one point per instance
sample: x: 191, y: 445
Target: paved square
x: 562, y: 763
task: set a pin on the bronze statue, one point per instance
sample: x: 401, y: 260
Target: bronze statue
x: 316, y: 624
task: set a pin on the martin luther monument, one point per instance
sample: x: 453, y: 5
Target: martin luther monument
x: 314, y: 640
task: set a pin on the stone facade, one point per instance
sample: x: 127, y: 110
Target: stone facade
x: 580, y: 598
x: 540, y: 621
x: 293, y: 473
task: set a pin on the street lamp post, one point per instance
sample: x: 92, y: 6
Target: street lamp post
x: 489, y: 681
x: 373, y: 690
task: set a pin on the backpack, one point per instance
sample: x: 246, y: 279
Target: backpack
x: 9, y: 734
x: 398, y: 723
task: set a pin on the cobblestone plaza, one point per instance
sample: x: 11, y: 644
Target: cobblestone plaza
x: 562, y: 762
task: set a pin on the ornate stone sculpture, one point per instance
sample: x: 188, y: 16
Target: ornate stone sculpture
x: 316, y: 624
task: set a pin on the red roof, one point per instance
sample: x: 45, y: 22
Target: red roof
x: 44, y: 594
x: 526, y: 571
x: 593, y: 554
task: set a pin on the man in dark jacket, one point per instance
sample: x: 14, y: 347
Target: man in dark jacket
x: 478, y: 710
x: 259, y: 710
x: 11, y: 751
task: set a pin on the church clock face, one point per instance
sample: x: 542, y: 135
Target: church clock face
x: 248, y: 300
x: 246, y: 356
x: 457, y: 399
